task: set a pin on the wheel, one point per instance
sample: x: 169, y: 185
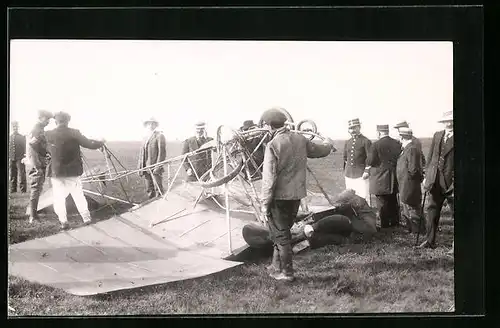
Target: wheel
x: 314, y: 128
x: 208, y: 180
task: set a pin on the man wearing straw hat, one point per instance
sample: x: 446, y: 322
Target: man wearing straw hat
x: 410, y: 175
x: 36, y: 161
x: 284, y: 185
x: 202, y: 161
x: 382, y: 159
x: 415, y: 141
x: 153, y: 151
x: 356, y: 152
x: 65, y: 169
x: 439, y: 178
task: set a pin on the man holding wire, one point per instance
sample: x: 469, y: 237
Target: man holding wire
x: 153, y: 151
x: 65, y: 169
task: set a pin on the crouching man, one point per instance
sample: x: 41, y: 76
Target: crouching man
x: 65, y: 169
x: 284, y: 185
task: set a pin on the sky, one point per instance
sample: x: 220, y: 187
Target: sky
x: 111, y: 86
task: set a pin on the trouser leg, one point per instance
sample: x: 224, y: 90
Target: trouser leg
x: 59, y: 193
x: 393, y: 209
x: 76, y: 191
x: 37, y: 179
x: 21, y: 168
x: 383, y: 211
x: 158, y: 179
x: 283, y: 213
x: 413, y: 218
x: 433, y: 213
x: 13, y: 176
x: 150, y: 189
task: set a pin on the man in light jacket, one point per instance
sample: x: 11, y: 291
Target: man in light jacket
x: 284, y: 185
x: 65, y: 169
x: 153, y: 151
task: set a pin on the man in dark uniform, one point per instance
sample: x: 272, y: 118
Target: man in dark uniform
x: 439, y: 178
x: 202, y: 161
x: 153, y: 151
x: 383, y: 158
x: 17, y: 151
x: 414, y: 140
x: 410, y: 175
x: 284, y: 185
x: 36, y: 161
x: 356, y: 169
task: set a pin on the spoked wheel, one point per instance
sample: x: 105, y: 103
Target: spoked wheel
x: 215, y: 176
x: 308, y: 126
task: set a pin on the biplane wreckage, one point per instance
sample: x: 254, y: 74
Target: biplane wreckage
x: 193, y: 229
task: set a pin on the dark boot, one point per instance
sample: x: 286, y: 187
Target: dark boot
x: 33, y: 210
x: 275, y: 266
x: 286, y: 254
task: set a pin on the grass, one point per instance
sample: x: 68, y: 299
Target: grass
x: 384, y: 275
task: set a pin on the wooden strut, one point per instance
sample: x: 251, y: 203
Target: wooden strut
x: 319, y: 186
x: 152, y: 224
x: 226, y: 192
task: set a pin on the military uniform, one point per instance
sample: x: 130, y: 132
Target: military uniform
x: 17, y: 150
x: 36, y: 155
x: 355, y: 155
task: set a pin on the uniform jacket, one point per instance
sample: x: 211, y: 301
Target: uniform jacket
x: 36, y: 147
x: 153, y: 150
x: 383, y: 158
x: 442, y: 161
x: 355, y: 154
x: 284, y: 169
x: 202, y: 161
x: 63, y: 144
x: 17, y: 146
x: 410, y: 175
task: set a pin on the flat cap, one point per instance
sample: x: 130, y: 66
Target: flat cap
x: 45, y: 114
x: 273, y: 116
x: 62, y: 117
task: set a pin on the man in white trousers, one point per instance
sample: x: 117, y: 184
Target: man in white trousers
x: 65, y: 168
x: 356, y: 152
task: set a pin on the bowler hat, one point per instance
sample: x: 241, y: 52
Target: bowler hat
x: 353, y: 122
x: 447, y: 117
x: 405, y: 132
x: 62, y: 117
x: 248, y: 124
x: 383, y: 127
x: 273, y: 116
x: 44, y: 114
x: 403, y: 124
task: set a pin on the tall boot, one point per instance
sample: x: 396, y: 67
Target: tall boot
x: 286, y: 254
x: 33, y: 210
x: 275, y: 266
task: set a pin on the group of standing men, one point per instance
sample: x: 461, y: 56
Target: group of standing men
x: 392, y: 169
x: 54, y: 154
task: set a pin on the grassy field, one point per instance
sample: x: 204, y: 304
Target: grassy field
x: 384, y: 275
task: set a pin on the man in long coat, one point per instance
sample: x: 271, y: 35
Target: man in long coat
x: 202, y: 161
x: 153, y: 151
x: 65, y: 169
x: 410, y: 175
x: 382, y: 159
x: 36, y: 161
x: 17, y: 151
x: 356, y: 169
x: 439, y: 177
x: 415, y: 141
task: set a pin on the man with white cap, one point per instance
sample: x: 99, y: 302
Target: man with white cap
x: 439, y: 178
x: 36, y: 161
x: 382, y: 159
x: 415, y: 141
x: 410, y: 175
x: 153, y: 151
x: 63, y: 144
x: 202, y: 161
x: 356, y: 151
